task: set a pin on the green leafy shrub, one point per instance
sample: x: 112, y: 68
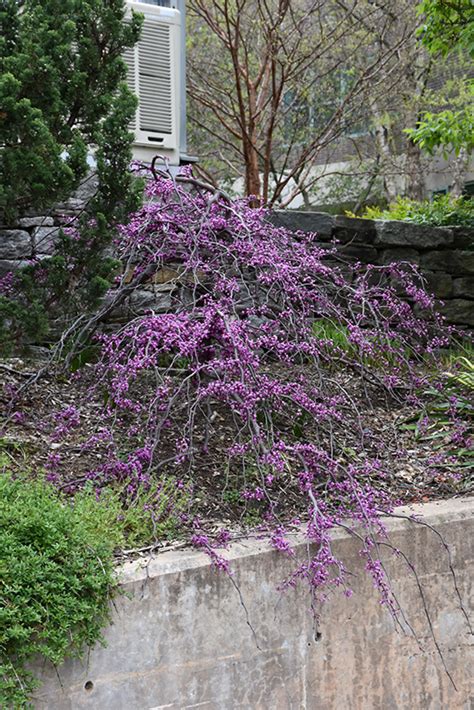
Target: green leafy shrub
x: 442, y: 211
x: 64, y: 96
x: 56, y: 579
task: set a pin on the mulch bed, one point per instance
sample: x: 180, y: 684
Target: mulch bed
x: 413, y: 477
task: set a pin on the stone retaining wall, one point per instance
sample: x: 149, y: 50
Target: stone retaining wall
x: 445, y: 255
x: 186, y: 636
x: 34, y: 236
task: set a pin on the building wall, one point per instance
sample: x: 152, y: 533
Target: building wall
x: 338, y: 181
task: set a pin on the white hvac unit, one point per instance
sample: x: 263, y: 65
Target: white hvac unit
x: 154, y: 76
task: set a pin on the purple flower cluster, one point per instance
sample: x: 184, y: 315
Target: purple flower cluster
x: 240, y: 344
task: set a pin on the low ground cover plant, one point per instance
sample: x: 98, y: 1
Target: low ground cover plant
x: 441, y: 211
x: 446, y: 419
x: 58, y: 558
x: 57, y: 577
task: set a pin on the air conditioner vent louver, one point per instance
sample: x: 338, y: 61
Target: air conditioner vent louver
x: 159, y: 3
x: 154, y: 76
x: 129, y: 59
x: 154, y: 62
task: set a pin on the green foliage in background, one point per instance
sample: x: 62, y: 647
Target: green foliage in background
x: 447, y: 24
x: 441, y: 211
x: 447, y: 27
x: 451, y: 130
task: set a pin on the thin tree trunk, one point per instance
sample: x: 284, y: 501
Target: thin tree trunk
x: 364, y: 196
x: 252, y: 174
x: 253, y: 185
x: 384, y: 150
x: 415, y: 182
x: 460, y: 166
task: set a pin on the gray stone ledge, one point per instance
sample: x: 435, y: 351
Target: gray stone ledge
x: 319, y: 222
x: 353, y: 229
x: 463, y: 237
x: 10, y: 266
x: 26, y: 222
x: 394, y: 233
x: 435, y: 513
x: 15, y: 244
x: 356, y: 252
x: 459, y: 311
x: 44, y: 239
x: 454, y: 262
x: 464, y: 286
x: 439, y: 284
x: 401, y: 254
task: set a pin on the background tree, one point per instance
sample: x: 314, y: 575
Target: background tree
x: 432, y: 90
x: 273, y: 84
x: 447, y: 29
x: 447, y: 24
x: 282, y: 93
x: 64, y: 100
x: 423, y: 85
x: 62, y: 92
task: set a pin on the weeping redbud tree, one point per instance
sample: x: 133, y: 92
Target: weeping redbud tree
x: 235, y: 388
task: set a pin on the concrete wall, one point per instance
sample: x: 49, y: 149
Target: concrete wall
x: 180, y: 637
x: 445, y: 255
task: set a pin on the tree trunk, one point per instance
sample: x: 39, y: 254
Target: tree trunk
x: 252, y: 174
x: 459, y: 165
x: 415, y: 181
x: 385, y: 153
x: 253, y: 185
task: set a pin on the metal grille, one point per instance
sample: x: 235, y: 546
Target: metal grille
x: 154, y: 70
x: 129, y: 59
x: 160, y: 3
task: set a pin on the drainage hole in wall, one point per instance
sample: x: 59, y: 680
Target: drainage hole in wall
x: 89, y: 686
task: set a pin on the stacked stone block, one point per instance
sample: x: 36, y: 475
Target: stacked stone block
x: 444, y: 255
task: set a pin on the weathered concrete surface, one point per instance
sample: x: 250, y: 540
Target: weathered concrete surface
x: 181, y: 640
